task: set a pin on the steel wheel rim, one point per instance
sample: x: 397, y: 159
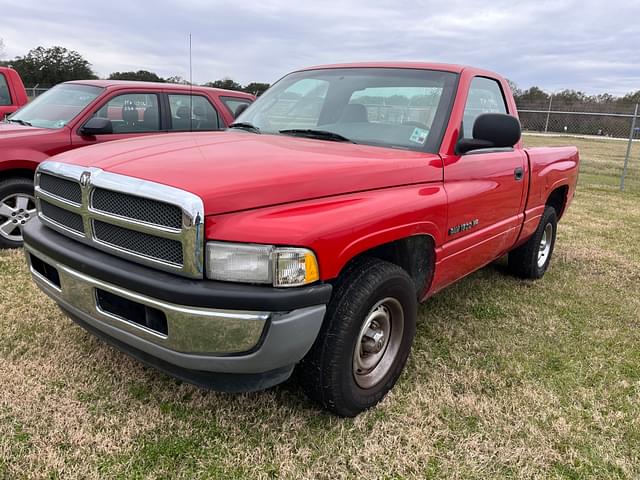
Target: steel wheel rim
x: 15, y: 210
x: 545, y: 245
x: 378, y: 342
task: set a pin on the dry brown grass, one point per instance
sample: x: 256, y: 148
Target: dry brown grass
x: 507, y: 379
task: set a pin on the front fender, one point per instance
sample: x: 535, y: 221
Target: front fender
x: 339, y: 228
x: 18, y: 165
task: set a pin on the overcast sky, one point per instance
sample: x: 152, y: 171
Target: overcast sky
x: 593, y: 46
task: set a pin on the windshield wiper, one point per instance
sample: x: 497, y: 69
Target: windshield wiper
x: 319, y: 134
x: 245, y: 126
x: 21, y: 122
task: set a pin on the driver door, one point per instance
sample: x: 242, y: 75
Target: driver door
x: 485, y: 190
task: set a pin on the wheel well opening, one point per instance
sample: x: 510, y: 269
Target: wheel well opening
x: 416, y: 255
x: 558, y: 199
x: 17, y: 173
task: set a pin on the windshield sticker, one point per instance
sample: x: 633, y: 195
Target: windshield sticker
x: 419, y: 135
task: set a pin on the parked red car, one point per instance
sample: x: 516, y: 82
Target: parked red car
x: 12, y: 92
x: 80, y: 113
x: 304, y: 236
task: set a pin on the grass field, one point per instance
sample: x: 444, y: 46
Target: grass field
x: 507, y: 379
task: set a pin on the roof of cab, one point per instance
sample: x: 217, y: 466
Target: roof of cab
x: 414, y: 65
x: 443, y: 67
x: 157, y: 86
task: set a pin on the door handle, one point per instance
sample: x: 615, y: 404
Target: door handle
x: 518, y: 174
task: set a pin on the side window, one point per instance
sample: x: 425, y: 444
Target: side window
x: 203, y: 115
x: 232, y: 103
x: 485, y: 96
x: 5, y: 96
x: 132, y: 112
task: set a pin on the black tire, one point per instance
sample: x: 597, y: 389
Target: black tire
x: 328, y: 372
x: 525, y: 261
x: 9, y: 189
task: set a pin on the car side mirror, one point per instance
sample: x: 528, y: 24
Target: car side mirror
x: 97, y: 126
x: 491, y: 130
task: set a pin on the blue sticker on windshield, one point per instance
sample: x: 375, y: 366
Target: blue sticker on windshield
x: 419, y: 135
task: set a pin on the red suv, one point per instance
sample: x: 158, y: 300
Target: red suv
x: 80, y: 113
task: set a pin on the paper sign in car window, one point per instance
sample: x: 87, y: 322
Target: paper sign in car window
x: 419, y: 135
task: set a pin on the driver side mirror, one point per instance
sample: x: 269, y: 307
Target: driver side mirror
x: 491, y: 130
x: 97, y: 126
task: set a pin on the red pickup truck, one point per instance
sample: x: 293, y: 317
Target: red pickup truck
x: 304, y: 236
x: 12, y: 92
x: 80, y: 113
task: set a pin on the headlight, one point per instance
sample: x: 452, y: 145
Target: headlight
x: 250, y: 263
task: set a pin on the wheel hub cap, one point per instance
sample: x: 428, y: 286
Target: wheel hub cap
x: 374, y: 339
x: 15, y: 211
x: 378, y: 342
x: 545, y: 245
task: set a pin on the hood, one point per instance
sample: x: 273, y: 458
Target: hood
x: 234, y: 171
x: 15, y: 130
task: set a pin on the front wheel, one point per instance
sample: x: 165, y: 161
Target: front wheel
x: 17, y: 207
x: 532, y: 259
x: 365, y: 340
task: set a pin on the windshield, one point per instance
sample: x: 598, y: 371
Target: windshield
x: 56, y: 107
x: 391, y: 107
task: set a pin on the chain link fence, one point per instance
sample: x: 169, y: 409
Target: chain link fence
x: 33, y: 92
x: 615, y: 123
x: 604, y: 120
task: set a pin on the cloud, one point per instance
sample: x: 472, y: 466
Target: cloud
x: 585, y: 45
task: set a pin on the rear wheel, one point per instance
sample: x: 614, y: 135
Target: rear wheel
x: 365, y: 340
x: 532, y: 259
x: 17, y: 207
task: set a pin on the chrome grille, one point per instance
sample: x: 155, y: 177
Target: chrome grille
x: 63, y: 217
x: 139, y: 243
x: 67, y: 189
x: 143, y: 209
x: 146, y: 222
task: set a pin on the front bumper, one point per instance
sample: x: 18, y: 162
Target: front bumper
x: 207, y: 340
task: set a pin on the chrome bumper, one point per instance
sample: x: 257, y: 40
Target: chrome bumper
x: 228, y: 341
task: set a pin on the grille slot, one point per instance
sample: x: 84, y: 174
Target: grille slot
x: 67, y: 189
x: 47, y: 271
x: 64, y: 217
x: 158, y: 248
x: 134, y: 312
x: 137, y: 208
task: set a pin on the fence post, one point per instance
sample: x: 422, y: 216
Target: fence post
x: 626, y: 157
x: 546, y: 124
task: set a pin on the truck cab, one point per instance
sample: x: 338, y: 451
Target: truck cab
x: 12, y: 92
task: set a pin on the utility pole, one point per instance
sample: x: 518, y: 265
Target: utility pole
x: 546, y: 124
x: 626, y: 157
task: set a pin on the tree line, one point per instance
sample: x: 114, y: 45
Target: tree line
x: 535, y: 98
x: 45, y: 67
